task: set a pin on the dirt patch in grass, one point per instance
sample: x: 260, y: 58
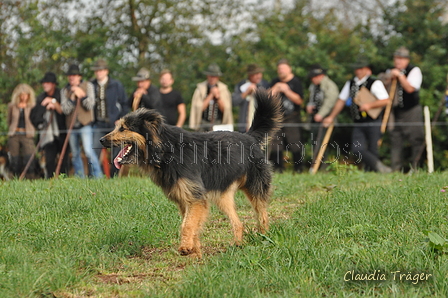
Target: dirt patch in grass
x: 120, y: 279
x: 149, y: 253
x: 213, y: 250
x: 169, y: 266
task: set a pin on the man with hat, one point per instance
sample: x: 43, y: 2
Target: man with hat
x: 290, y: 89
x: 211, y: 103
x: 243, y: 95
x: 78, y: 103
x: 47, y: 117
x: 364, y: 112
x: 407, y: 111
x: 323, y: 96
x: 110, y: 105
x: 146, y: 95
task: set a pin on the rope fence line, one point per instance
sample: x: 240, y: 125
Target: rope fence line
x: 301, y: 125
x: 305, y: 126
x: 343, y: 153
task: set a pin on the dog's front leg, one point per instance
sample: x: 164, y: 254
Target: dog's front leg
x: 195, y: 215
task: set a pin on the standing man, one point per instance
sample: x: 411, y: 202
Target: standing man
x: 47, y: 116
x: 146, y: 95
x: 290, y: 89
x: 367, y: 130
x: 173, y: 104
x: 212, y: 102
x: 243, y: 95
x: 407, y: 110
x: 110, y: 105
x: 83, y: 92
x: 323, y: 96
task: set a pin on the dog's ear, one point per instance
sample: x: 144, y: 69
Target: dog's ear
x: 151, y: 119
x: 151, y: 125
x: 154, y: 122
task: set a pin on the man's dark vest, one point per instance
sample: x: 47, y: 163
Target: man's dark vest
x: 100, y: 112
x: 318, y: 98
x: 212, y: 113
x: 357, y: 116
x: 407, y: 100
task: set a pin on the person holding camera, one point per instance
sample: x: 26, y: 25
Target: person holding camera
x: 212, y: 102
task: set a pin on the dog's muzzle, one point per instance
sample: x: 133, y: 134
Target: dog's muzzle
x: 105, y: 142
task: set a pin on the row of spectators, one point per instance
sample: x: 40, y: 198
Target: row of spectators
x: 90, y: 109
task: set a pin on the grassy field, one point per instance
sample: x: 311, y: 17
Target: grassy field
x: 119, y: 238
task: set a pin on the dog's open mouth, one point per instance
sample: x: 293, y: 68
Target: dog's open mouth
x: 122, y: 156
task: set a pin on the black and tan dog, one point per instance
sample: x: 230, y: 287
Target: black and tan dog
x: 5, y: 171
x: 195, y: 169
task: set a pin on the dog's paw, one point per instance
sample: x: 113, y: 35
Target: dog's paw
x: 191, y: 252
x: 185, y: 251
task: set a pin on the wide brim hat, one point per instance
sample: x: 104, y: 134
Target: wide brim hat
x: 142, y: 75
x: 73, y: 70
x: 49, y: 77
x: 100, y: 64
x: 316, y: 70
x: 360, y: 63
x: 402, y: 52
x: 213, y: 70
x: 254, y: 69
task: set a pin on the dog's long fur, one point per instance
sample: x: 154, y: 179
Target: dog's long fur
x: 5, y: 171
x: 195, y: 169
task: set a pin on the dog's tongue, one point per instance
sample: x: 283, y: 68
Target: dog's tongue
x: 117, y: 165
x: 119, y: 156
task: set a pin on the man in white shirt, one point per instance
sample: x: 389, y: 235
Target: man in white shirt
x: 407, y: 110
x: 367, y: 132
x: 243, y: 96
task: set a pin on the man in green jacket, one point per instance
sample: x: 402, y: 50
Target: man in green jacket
x: 323, y: 96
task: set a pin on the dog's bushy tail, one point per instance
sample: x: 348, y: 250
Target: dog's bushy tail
x: 268, y: 115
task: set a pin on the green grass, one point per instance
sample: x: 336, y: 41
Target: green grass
x: 119, y: 238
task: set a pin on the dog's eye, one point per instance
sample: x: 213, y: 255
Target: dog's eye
x: 121, y: 129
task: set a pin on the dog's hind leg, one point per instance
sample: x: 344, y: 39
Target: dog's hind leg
x: 182, y: 208
x: 226, y: 203
x: 259, y: 203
